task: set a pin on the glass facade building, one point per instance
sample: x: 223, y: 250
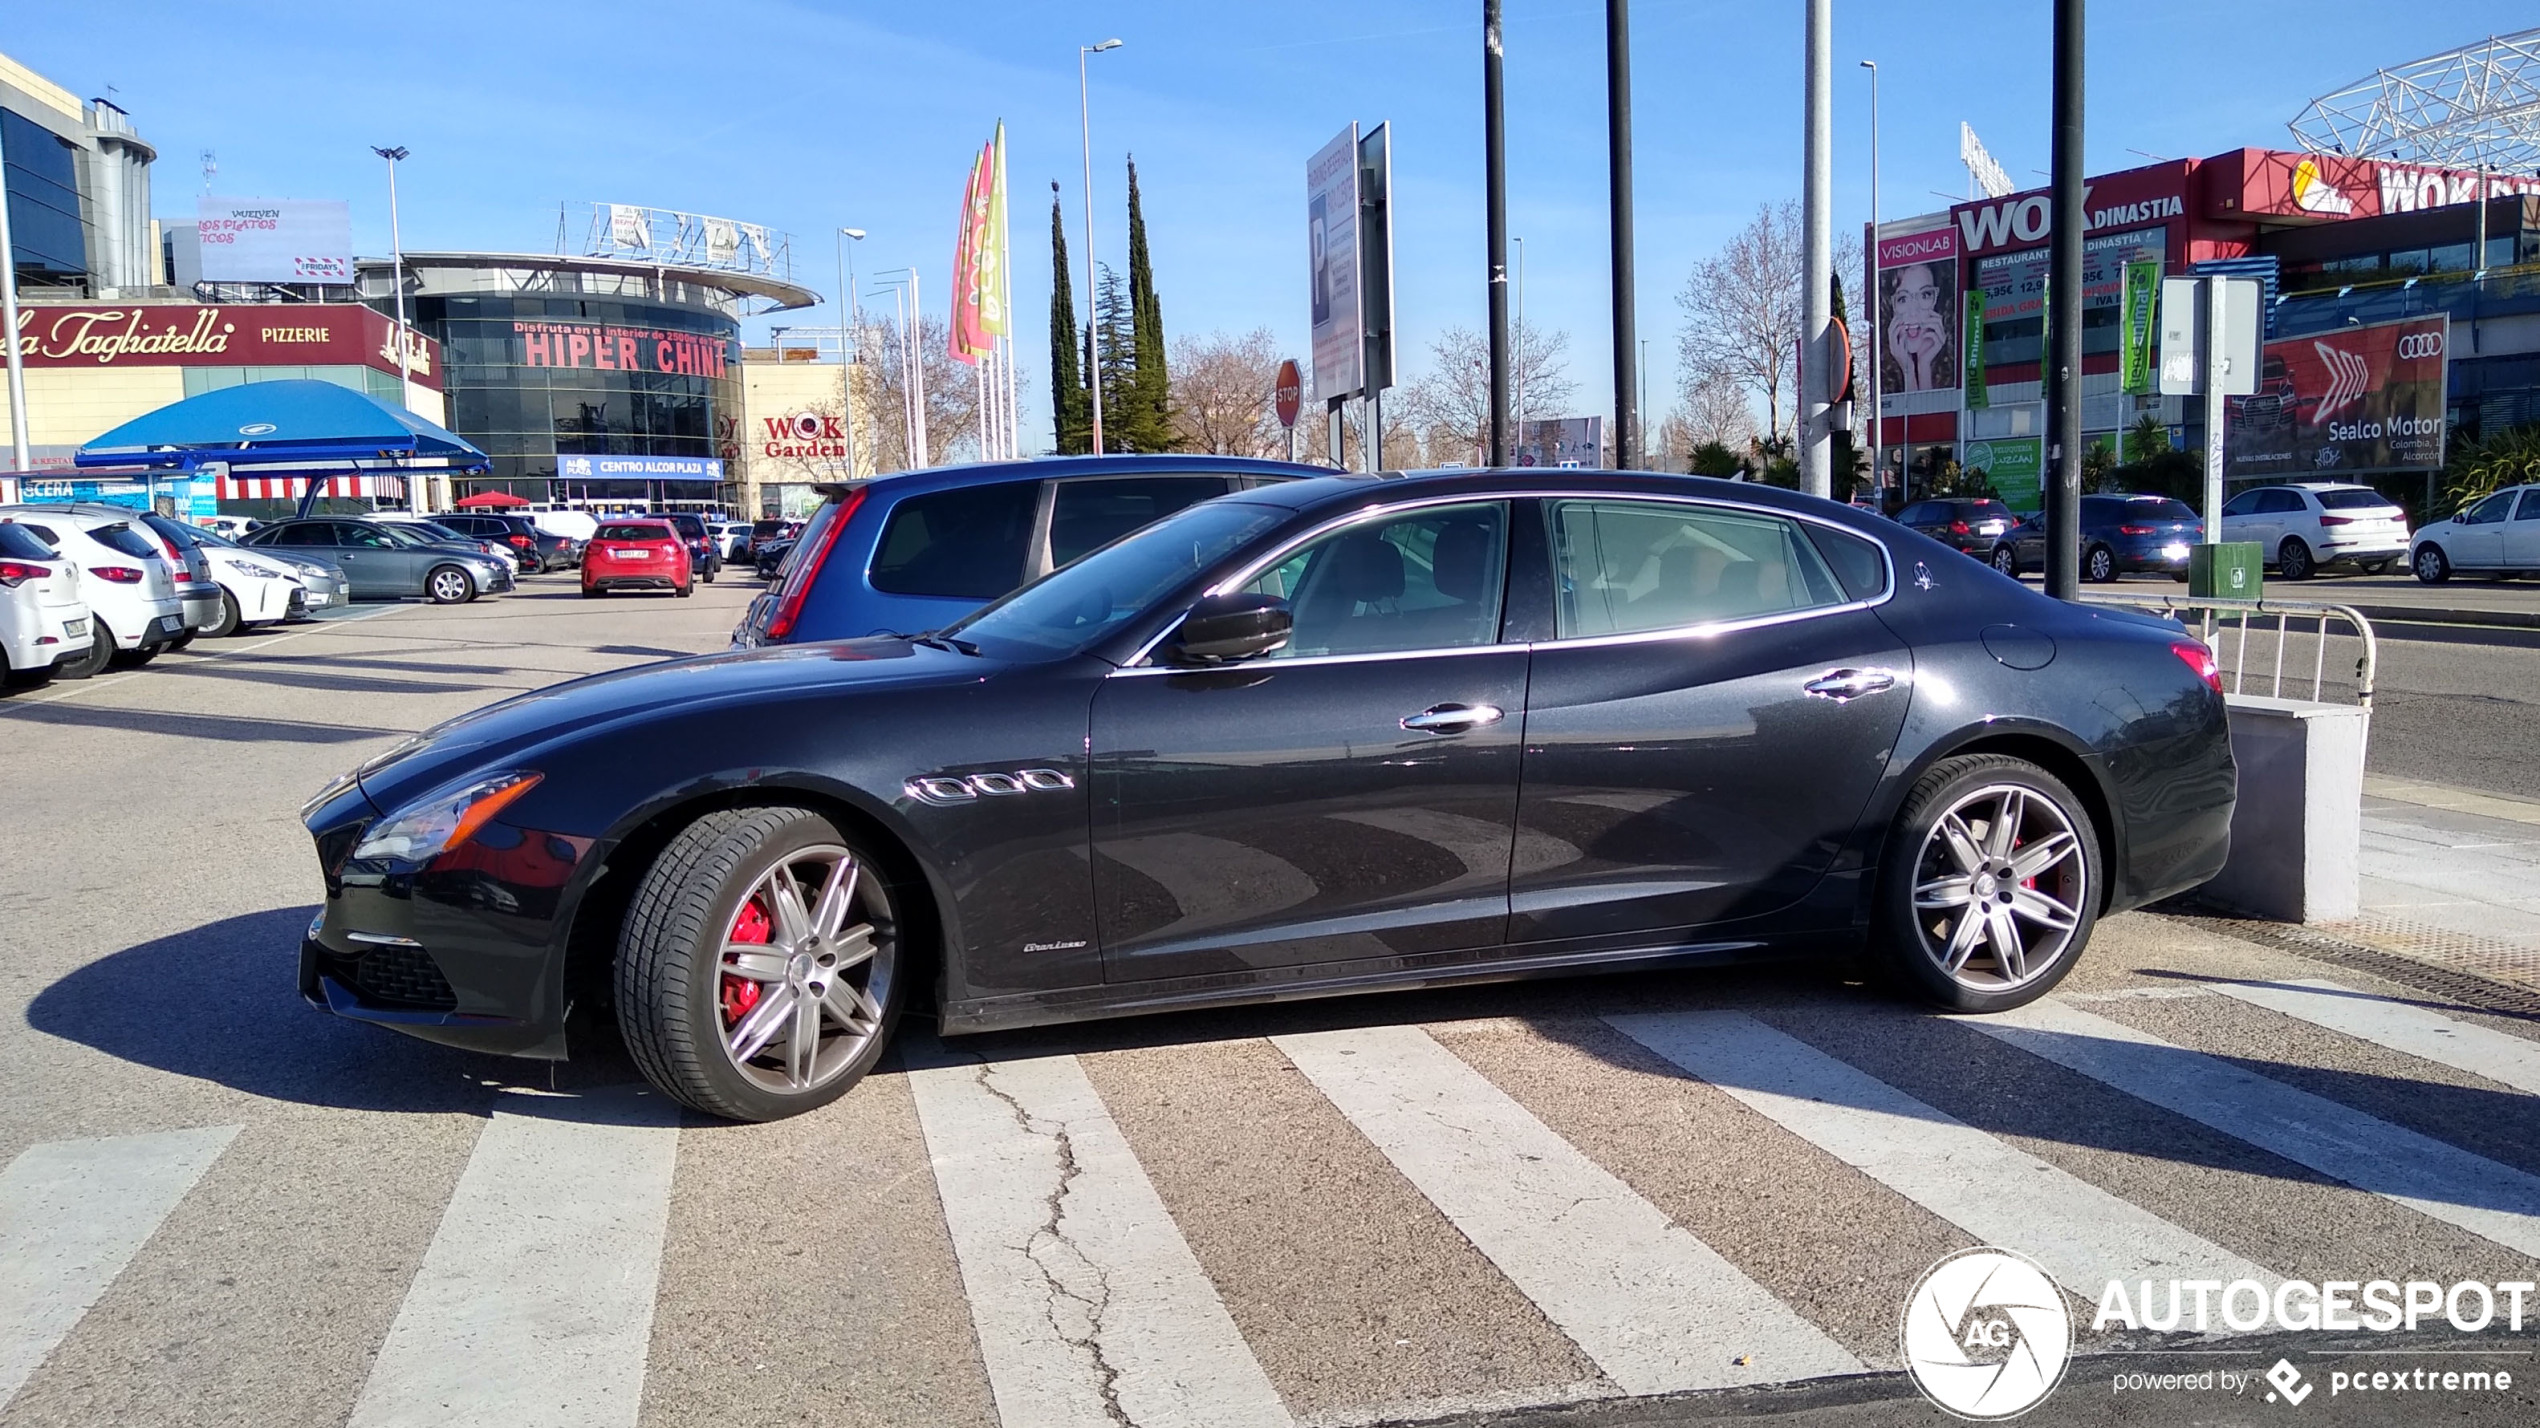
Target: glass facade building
x: 45, y: 231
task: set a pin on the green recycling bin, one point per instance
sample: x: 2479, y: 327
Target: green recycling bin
x: 2234, y: 570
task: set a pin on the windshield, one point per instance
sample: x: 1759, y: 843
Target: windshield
x: 1069, y: 608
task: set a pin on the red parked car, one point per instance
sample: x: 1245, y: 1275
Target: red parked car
x: 636, y: 555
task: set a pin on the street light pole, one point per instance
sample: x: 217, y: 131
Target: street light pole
x: 1878, y: 325
x: 397, y: 279
x: 1816, y: 349
x: 1618, y: 154
x: 1495, y: 227
x: 2063, y: 316
x: 21, y: 457
x: 1085, y: 120
x: 850, y: 340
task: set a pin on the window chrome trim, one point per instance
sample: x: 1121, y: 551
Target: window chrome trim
x: 1305, y: 661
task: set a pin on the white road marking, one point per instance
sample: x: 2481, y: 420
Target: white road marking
x: 72, y: 1215
x: 1998, y: 1193
x: 1655, y: 1308
x: 2425, y: 1174
x: 535, y: 1301
x: 2411, y: 1031
x: 1085, y: 1296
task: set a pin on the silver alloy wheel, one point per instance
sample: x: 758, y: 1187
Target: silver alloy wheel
x: 450, y: 585
x: 2103, y: 565
x: 803, y: 974
x: 2431, y: 567
x: 1999, y: 888
x: 2006, y: 560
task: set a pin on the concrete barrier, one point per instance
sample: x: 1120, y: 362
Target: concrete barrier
x: 2296, y: 836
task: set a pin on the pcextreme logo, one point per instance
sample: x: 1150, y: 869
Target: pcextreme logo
x: 2313, y: 193
x: 1986, y: 1335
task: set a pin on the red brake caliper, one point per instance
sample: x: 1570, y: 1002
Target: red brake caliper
x: 750, y: 924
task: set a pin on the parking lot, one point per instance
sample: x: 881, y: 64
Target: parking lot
x: 1622, y: 1199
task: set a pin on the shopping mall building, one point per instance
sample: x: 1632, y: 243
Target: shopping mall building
x: 2335, y: 243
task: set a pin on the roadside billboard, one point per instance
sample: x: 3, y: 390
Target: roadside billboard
x: 275, y: 240
x: 1918, y: 312
x: 1562, y: 441
x: 104, y: 335
x: 2352, y: 399
x: 1331, y: 227
x: 2273, y: 184
x: 2015, y: 465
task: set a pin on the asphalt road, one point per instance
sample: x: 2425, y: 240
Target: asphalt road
x: 1627, y: 1200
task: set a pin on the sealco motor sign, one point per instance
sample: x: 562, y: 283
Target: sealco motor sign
x: 2349, y: 399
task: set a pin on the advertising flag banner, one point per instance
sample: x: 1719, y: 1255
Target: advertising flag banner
x: 1331, y: 228
x: 967, y: 339
x: 995, y: 277
x: 2141, y: 300
x: 627, y: 228
x: 1973, y: 344
x: 2351, y: 399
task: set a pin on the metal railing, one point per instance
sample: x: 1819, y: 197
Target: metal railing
x: 2224, y: 626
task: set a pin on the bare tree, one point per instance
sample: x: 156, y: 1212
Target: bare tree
x: 1742, y: 312
x: 1715, y: 406
x: 952, y: 396
x: 1221, y: 394
x: 1452, y: 398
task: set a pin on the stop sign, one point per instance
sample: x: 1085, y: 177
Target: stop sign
x: 1289, y: 394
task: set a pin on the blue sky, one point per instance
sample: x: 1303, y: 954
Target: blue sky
x: 808, y: 115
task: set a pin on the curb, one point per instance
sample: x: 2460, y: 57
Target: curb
x: 2435, y: 615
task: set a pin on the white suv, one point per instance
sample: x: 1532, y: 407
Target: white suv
x: 2320, y: 523
x: 43, y: 622
x: 123, y: 575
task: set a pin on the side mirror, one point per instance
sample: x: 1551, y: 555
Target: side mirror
x: 1224, y: 628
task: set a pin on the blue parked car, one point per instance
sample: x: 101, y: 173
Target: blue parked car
x: 2120, y: 535
x: 918, y: 550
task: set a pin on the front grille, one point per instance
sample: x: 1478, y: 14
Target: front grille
x: 405, y: 978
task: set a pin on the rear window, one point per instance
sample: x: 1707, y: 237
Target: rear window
x: 126, y: 540
x: 1088, y: 515
x: 968, y: 544
x: 1986, y: 510
x: 632, y: 531
x: 2355, y: 500
x: 179, y: 534
x: 689, y: 526
x: 19, y: 543
x: 2145, y: 508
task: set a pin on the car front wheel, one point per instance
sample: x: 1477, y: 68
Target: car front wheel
x: 757, y: 971
x: 1990, y: 884
x: 449, y: 585
x: 2432, y: 566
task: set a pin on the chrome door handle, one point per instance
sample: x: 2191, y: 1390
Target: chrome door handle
x: 1841, y: 685
x: 1454, y: 718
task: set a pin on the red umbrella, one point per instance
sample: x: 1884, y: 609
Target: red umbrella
x: 483, y: 499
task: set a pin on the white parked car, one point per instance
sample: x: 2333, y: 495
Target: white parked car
x: 572, y: 525
x: 729, y: 537
x: 123, y: 575
x: 255, y: 589
x: 2304, y: 527
x: 2497, y: 535
x: 231, y: 526
x: 322, y: 580
x: 43, y: 622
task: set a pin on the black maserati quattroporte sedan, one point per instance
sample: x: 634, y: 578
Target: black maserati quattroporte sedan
x: 1331, y: 735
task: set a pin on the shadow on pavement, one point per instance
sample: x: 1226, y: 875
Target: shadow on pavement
x: 223, y: 728
x: 222, y: 1003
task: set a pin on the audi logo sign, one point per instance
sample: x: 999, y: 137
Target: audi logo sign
x: 2416, y: 346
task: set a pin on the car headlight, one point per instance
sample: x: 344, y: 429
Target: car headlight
x: 443, y: 819
x: 261, y: 572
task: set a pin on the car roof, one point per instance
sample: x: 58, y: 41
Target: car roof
x: 1043, y: 468
x: 1330, y: 489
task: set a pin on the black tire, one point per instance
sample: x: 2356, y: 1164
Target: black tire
x: 2007, y: 560
x: 180, y: 641
x: 592, y: 592
x: 229, y: 622
x: 687, y: 590
x: 1900, y: 931
x: 669, y: 976
x: 135, y: 659
x: 101, y: 652
x: 2431, y: 565
x: 2379, y: 567
x: 2099, y: 565
x: 13, y: 678
x: 449, y: 585
x: 2293, y: 559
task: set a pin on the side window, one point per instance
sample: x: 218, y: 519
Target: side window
x: 1859, y: 565
x: 1628, y: 566
x: 364, y: 537
x: 968, y: 544
x: 2246, y: 503
x: 2490, y: 510
x: 45, y: 534
x: 1914, y: 514
x: 2282, y: 503
x: 305, y: 533
x: 1087, y: 515
x: 2530, y: 509
x: 1425, y: 580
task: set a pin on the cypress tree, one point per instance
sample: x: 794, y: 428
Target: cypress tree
x: 1114, y: 367
x: 1071, y: 412
x: 1146, y: 422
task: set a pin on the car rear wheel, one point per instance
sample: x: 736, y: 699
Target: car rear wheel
x: 2293, y: 559
x: 228, y: 622
x: 101, y: 652
x: 1990, y: 884
x: 2099, y: 565
x: 758, y: 967
x: 449, y: 585
x: 2379, y: 567
x: 2432, y: 566
x: 2007, y: 561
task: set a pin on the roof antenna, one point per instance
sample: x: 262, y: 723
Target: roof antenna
x: 211, y: 166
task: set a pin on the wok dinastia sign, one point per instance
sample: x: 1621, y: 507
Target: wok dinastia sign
x: 2350, y: 399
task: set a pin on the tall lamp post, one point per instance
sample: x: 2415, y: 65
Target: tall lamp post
x: 1878, y: 363
x: 850, y: 339
x: 1085, y: 119
x: 1618, y: 141
x: 1816, y: 349
x: 397, y: 280
x: 17, y: 362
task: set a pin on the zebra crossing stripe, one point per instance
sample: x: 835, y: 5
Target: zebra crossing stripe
x: 2495, y: 1201
x: 72, y: 1215
x: 2000, y: 1194
x: 1656, y: 1309
x: 1091, y: 1309
x: 535, y: 1300
x: 2412, y: 1031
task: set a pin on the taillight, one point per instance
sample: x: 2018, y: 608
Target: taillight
x: 120, y: 574
x: 2138, y: 530
x: 522, y: 541
x: 2337, y: 520
x: 1958, y: 528
x: 2200, y: 659
x: 807, y: 563
x: 672, y: 547
x: 13, y: 573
